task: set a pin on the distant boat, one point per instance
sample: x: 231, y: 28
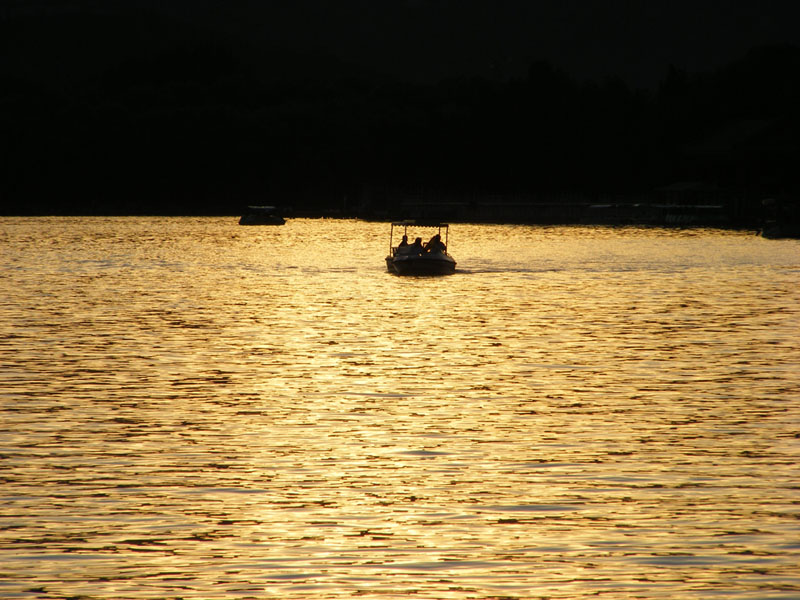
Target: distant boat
x: 418, y: 259
x: 262, y: 215
x: 782, y: 219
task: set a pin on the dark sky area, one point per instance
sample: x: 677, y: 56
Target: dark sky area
x: 425, y: 40
x: 180, y: 104
x: 430, y: 39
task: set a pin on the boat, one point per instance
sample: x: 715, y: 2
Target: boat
x: 781, y: 219
x: 261, y: 215
x: 415, y: 258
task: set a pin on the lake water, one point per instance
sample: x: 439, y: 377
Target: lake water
x: 194, y: 409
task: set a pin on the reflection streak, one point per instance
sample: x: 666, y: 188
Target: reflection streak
x: 223, y: 411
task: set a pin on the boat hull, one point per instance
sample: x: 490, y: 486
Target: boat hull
x: 262, y: 220
x: 262, y: 215
x: 421, y: 265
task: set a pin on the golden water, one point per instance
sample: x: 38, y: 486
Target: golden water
x: 194, y: 409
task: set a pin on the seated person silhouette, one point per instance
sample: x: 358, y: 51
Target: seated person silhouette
x: 435, y: 244
x: 403, y: 247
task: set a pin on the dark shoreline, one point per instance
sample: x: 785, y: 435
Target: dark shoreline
x: 683, y: 205
x: 676, y: 222
x: 655, y: 211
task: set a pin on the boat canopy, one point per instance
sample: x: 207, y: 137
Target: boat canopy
x: 418, y: 224
x: 263, y: 209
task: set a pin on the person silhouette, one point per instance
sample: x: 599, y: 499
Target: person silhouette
x: 435, y: 244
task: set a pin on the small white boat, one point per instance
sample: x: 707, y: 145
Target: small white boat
x: 261, y: 215
x: 417, y: 258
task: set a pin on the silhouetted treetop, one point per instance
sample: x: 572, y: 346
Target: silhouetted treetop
x: 154, y: 114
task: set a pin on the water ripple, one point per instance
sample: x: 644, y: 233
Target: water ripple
x: 191, y: 409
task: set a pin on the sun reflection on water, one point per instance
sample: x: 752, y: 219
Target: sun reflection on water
x: 194, y: 409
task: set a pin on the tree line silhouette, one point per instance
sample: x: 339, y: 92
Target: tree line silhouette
x: 172, y: 121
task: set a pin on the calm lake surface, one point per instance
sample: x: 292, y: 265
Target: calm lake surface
x: 194, y: 409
